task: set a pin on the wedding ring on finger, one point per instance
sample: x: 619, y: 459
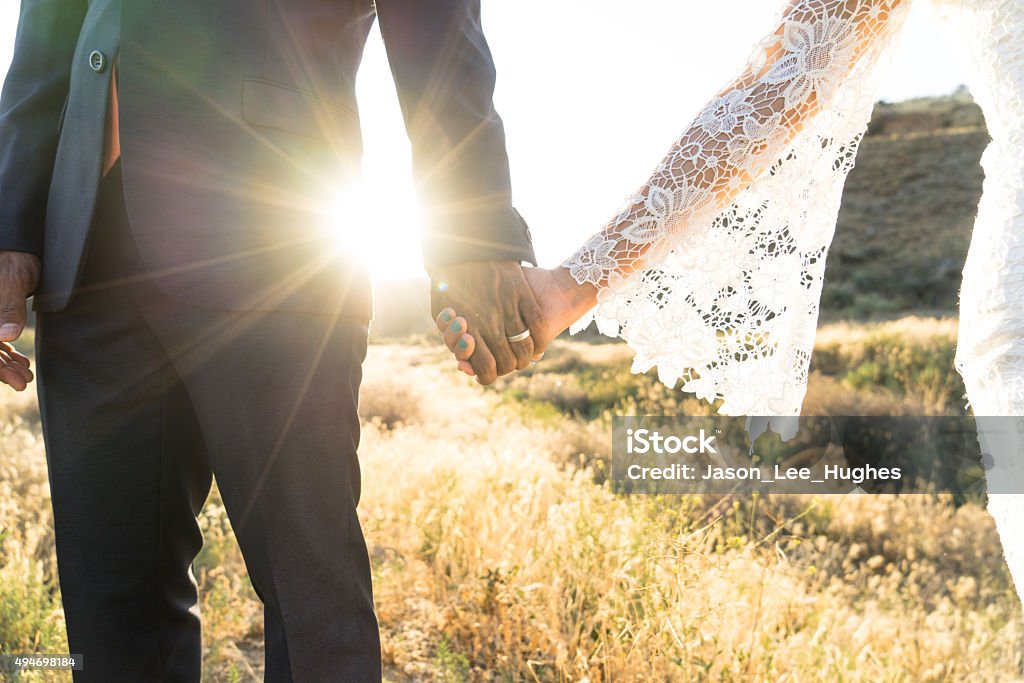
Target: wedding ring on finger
x: 525, y: 334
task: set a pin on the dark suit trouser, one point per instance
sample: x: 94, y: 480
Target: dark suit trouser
x: 142, y: 398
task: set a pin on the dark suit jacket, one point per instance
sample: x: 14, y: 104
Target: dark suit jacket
x: 237, y: 120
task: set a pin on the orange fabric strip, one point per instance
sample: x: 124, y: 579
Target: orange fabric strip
x: 112, y: 150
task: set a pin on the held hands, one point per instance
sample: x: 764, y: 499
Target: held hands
x: 561, y: 303
x: 19, y: 275
x: 494, y: 302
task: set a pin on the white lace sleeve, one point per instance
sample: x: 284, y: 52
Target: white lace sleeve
x: 712, y: 271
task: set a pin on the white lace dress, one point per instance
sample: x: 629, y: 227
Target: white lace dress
x: 712, y: 271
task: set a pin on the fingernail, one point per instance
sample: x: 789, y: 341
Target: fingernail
x: 445, y: 315
x: 9, y: 331
x: 456, y: 326
x: 463, y: 344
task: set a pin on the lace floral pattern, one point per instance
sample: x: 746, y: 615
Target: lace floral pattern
x: 713, y: 270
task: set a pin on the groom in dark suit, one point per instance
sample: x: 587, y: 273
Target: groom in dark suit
x: 164, y: 173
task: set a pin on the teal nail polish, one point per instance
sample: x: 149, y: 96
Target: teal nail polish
x: 445, y: 315
x: 463, y: 344
x: 456, y: 327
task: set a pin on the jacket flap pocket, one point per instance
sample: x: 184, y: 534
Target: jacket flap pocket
x: 273, y: 105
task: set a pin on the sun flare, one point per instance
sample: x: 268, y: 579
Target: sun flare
x: 379, y: 227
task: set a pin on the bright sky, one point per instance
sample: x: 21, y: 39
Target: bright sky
x: 592, y: 93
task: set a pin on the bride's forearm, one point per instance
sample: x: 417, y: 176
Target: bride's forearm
x: 737, y: 137
x: 580, y: 296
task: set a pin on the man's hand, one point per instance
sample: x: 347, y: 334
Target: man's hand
x: 19, y: 275
x: 495, y: 302
x: 562, y: 302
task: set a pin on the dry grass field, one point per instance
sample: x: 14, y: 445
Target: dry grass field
x: 500, y: 553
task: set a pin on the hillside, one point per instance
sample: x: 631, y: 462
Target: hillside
x: 908, y: 211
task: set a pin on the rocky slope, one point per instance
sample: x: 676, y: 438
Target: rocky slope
x: 908, y: 210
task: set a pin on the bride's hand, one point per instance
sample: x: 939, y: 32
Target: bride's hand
x: 562, y: 302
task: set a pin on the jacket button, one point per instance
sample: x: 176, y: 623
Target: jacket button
x: 97, y: 61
